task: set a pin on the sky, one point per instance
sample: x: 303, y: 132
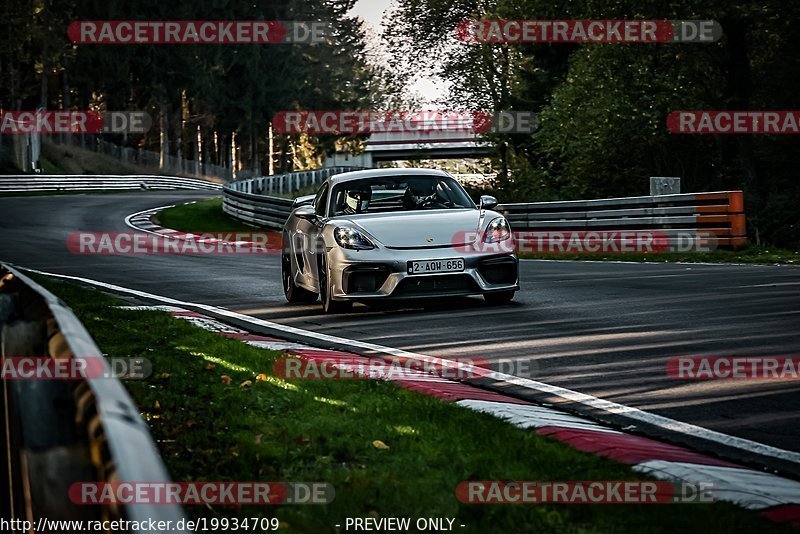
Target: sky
x: 371, y: 11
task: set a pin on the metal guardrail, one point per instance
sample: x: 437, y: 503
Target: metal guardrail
x: 58, y: 432
x: 248, y: 201
x: 719, y: 214
x: 259, y: 210
x: 85, y: 182
x: 286, y: 183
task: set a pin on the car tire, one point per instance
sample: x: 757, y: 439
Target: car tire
x: 293, y: 293
x: 328, y: 304
x: 499, y: 297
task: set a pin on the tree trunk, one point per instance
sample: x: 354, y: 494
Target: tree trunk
x: 164, y: 136
x: 271, y: 160
x: 255, y: 161
x: 740, y: 86
x: 66, y: 102
x: 43, y: 97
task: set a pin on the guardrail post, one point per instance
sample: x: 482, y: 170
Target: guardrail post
x: 63, y: 431
x: 20, y: 338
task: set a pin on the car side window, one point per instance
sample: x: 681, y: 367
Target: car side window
x: 319, y: 200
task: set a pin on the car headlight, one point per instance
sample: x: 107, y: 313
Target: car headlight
x: 351, y: 238
x: 497, y: 231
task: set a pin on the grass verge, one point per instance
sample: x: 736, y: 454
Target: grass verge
x: 207, y: 429
x: 201, y: 216
x: 747, y: 254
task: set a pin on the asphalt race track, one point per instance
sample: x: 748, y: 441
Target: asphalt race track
x: 605, y: 329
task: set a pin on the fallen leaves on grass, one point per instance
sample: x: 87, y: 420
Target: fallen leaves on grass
x: 225, y: 379
x: 378, y: 444
x: 246, y: 384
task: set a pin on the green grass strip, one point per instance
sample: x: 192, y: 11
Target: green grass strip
x: 272, y: 430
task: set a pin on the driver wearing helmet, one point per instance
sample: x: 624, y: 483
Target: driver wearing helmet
x: 357, y: 200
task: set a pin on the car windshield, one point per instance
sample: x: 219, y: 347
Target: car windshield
x: 398, y: 193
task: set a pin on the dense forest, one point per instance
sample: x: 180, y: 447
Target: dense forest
x: 202, y: 96
x: 602, y: 107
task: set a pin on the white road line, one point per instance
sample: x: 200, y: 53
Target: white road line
x: 746, y: 487
x: 129, y: 218
x: 589, y: 401
x: 212, y: 325
x: 167, y: 309
x: 771, y: 285
x: 526, y: 416
x: 689, y: 263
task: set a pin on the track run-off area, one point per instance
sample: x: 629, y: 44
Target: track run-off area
x: 602, y: 329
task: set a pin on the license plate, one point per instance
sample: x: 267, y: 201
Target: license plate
x: 436, y: 266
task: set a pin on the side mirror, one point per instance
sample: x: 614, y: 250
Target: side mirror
x: 488, y: 202
x: 306, y: 213
x: 303, y: 201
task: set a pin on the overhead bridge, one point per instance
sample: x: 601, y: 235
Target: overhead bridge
x: 435, y: 144
x: 416, y: 143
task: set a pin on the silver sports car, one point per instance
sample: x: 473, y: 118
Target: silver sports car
x: 393, y: 234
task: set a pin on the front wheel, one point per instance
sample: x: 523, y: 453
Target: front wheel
x: 328, y: 304
x: 498, y: 297
x: 293, y: 292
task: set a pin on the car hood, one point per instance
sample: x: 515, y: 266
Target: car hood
x: 421, y: 229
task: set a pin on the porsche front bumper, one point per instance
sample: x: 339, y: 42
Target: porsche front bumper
x: 382, y: 273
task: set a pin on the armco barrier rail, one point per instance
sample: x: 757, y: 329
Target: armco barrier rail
x: 85, y: 182
x: 58, y: 432
x: 259, y: 210
x: 287, y: 183
x: 719, y: 214
x: 247, y: 200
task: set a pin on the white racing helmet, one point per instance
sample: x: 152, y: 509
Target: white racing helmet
x: 358, y: 199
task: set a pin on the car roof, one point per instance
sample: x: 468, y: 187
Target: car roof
x: 374, y: 173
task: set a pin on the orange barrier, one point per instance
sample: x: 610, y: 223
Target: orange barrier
x: 719, y: 214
